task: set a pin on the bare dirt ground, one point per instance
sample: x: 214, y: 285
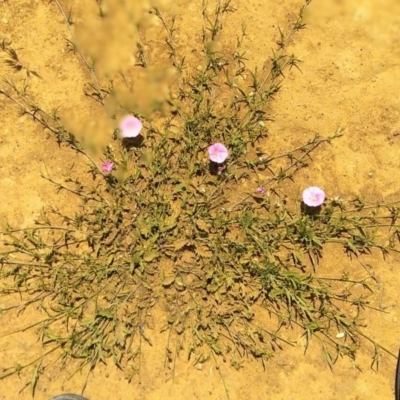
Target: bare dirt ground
x: 350, y: 77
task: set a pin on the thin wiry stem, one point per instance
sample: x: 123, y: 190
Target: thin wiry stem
x: 295, y: 27
x: 89, y: 67
x: 42, y: 120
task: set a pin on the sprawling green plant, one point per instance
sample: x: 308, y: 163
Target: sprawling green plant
x: 162, y: 226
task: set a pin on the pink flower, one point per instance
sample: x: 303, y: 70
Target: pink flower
x: 218, y: 153
x: 220, y: 169
x: 130, y: 127
x: 313, y: 196
x: 107, y: 166
x: 261, y: 190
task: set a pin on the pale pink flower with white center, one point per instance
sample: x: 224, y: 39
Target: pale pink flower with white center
x: 313, y: 196
x: 218, y: 153
x: 261, y: 190
x: 130, y: 127
x: 107, y: 166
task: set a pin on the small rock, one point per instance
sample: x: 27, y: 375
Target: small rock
x: 47, y: 133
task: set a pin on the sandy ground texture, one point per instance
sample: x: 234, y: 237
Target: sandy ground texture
x: 350, y: 78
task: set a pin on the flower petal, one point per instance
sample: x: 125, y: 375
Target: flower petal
x: 218, y: 153
x: 130, y: 127
x: 313, y: 196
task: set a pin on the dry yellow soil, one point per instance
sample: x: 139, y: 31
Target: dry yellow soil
x: 350, y: 78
